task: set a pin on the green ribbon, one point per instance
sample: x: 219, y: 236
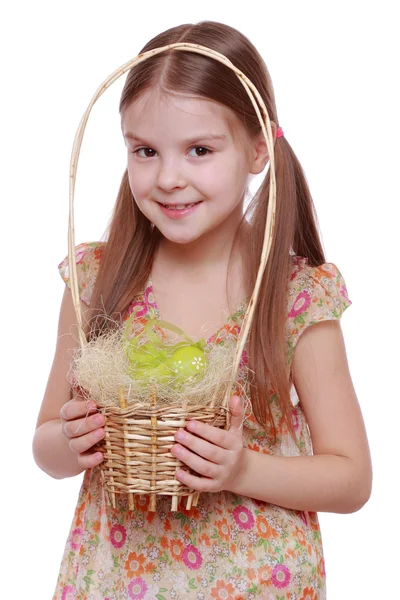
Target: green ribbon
x: 147, y: 359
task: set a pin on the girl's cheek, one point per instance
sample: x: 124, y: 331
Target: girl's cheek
x: 140, y: 186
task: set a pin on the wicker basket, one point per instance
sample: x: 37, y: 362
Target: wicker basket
x: 138, y: 439
x: 137, y: 451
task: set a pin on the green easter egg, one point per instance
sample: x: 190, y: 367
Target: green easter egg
x: 187, y: 361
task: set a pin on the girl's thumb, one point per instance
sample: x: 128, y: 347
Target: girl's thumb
x: 236, y: 408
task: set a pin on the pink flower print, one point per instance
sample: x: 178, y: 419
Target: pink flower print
x: 243, y: 517
x: 303, y: 517
x: 344, y: 293
x: 118, y: 536
x: 192, y: 557
x: 149, y: 297
x: 245, y: 359
x: 68, y: 592
x: 76, y: 537
x: 301, y: 304
x: 297, y: 268
x: 280, y: 576
x: 79, y: 254
x: 137, y: 588
x: 138, y: 307
x: 295, y: 420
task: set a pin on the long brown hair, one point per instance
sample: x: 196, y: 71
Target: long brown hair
x: 132, y: 239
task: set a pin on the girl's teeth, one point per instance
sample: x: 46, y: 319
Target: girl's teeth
x: 179, y: 206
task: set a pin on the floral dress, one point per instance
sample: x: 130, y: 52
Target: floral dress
x: 227, y: 547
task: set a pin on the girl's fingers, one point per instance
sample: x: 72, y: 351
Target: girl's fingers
x: 197, y: 463
x: 83, y: 429
x: 80, y: 427
x: 219, y: 437
x: 75, y: 409
x: 200, y: 446
x: 85, y: 442
x: 201, y: 484
x: 88, y: 460
x: 237, y: 413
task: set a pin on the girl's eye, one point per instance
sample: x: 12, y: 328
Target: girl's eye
x: 200, y: 151
x: 148, y: 152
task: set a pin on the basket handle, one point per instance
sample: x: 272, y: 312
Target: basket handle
x: 265, y: 123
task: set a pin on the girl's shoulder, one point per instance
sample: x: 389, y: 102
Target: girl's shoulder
x: 314, y: 294
x: 87, y: 256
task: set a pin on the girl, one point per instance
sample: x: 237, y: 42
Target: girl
x: 179, y: 247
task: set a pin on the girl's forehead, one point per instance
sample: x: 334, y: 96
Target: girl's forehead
x: 155, y: 106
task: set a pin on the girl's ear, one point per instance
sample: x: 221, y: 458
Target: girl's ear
x: 260, y: 155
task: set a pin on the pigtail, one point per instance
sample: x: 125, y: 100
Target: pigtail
x: 296, y: 233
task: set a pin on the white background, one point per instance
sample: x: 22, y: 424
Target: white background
x: 335, y: 72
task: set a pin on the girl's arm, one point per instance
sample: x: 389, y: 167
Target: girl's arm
x: 337, y: 478
x: 51, y: 449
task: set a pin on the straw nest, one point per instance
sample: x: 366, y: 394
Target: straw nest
x: 158, y: 362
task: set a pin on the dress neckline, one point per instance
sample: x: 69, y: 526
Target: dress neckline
x: 236, y: 316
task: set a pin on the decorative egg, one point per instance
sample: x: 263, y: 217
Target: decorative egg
x: 187, y: 361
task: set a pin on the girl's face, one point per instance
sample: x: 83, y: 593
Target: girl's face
x: 187, y: 173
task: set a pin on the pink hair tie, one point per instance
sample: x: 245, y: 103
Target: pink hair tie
x: 279, y: 133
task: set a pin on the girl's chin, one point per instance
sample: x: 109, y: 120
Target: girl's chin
x: 187, y: 234
x: 183, y: 238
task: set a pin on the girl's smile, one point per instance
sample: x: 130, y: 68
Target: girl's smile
x: 179, y: 211
x: 187, y: 157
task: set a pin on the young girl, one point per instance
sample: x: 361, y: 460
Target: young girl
x: 180, y: 248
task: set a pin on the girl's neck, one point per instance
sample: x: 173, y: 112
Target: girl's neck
x: 211, y: 249
x: 197, y: 255
x: 198, y: 285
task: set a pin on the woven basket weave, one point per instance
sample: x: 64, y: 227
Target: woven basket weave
x: 138, y: 439
x: 137, y: 451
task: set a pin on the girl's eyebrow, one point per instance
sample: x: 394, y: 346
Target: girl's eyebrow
x: 193, y: 140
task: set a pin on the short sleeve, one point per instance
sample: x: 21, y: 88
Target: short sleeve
x: 87, y: 256
x: 315, y: 294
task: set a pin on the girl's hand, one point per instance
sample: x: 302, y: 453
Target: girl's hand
x: 215, y: 453
x: 83, y: 431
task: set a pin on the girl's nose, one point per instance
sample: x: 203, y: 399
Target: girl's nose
x: 170, y: 176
